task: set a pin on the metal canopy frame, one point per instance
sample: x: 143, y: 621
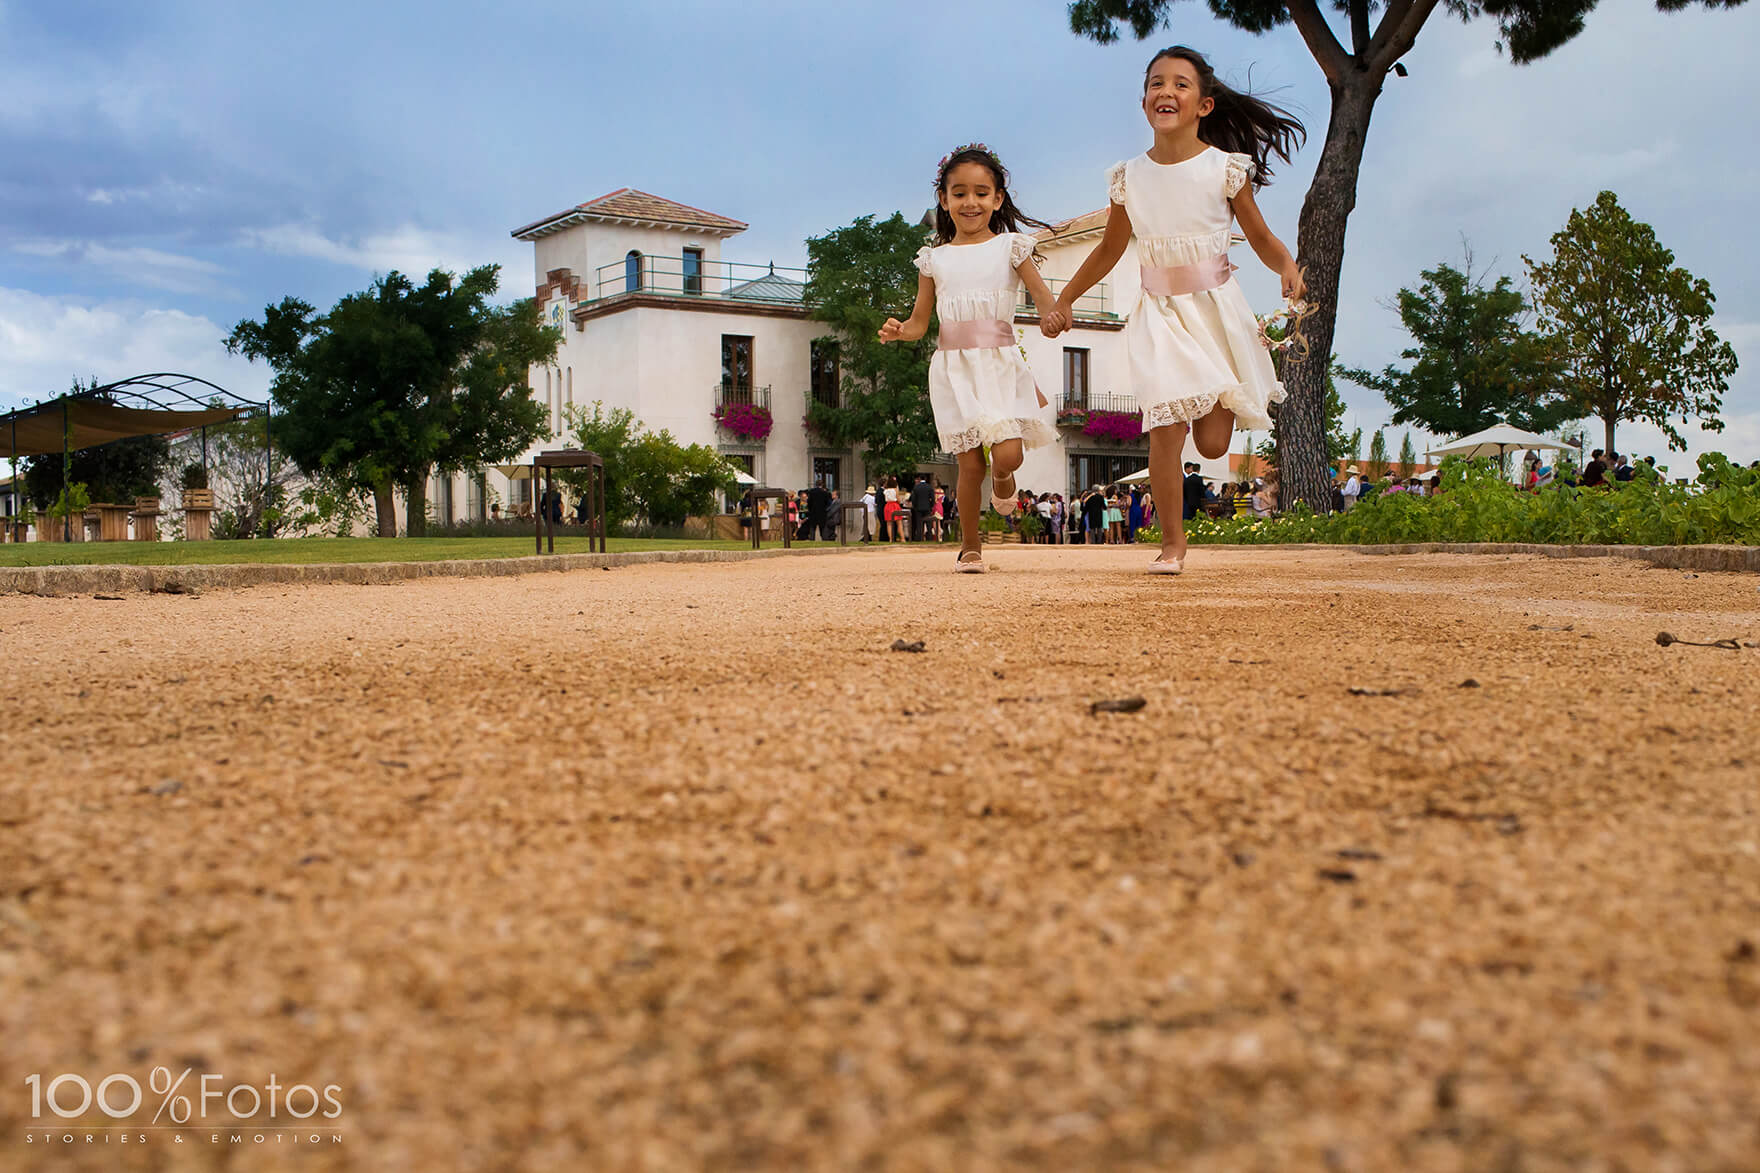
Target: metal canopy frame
x: 159, y: 391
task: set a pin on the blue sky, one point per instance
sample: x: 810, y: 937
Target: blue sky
x: 170, y: 168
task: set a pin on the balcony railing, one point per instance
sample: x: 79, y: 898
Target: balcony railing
x: 692, y: 279
x: 732, y: 394
x: 1096, y: 303
x: 1070, y: 402
x: 689, y: 277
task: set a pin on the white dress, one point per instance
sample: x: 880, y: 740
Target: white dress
x: 982, y: 395
x: 1191, y: 351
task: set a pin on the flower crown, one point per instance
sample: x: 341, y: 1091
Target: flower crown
x: 941, y: 167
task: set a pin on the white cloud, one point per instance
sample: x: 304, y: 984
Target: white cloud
x: 408, y: 249
x: 46, y: 342
x: 134, y: 265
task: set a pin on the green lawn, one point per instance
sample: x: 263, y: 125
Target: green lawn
x: 327, y: 550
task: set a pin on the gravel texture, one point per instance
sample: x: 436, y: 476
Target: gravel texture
x: 1431, y: 862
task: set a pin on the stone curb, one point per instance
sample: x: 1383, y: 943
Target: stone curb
x: 1716, y: 558
x: 92, y: 580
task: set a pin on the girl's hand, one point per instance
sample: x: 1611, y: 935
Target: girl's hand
x: 1053, y: 322
x: 891, y: 330
x: 1294, y: 288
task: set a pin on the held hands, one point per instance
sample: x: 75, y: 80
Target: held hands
x: 1054, y: 321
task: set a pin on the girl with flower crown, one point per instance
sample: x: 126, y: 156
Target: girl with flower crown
x: 980, y: 388
x: 1197, y: 357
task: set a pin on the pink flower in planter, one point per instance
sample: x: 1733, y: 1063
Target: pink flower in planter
x: 1121, y: 426
x: 745, y: 420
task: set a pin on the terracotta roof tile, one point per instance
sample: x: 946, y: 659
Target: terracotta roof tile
x: 1086, y: 222
x: 626, y: 203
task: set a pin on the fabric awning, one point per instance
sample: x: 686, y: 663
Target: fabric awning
x: 34, y: 431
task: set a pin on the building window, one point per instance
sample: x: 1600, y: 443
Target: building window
x: 632, y: 271
x: 736, y: 368
x: 822, y: 371
x: 747, y: 463
x: 826, y: 472
x: 1087, y: 470
x: 1075, y: 376
x: 693, y: 270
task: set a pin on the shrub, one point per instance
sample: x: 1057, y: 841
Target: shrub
x: 1477, y: 505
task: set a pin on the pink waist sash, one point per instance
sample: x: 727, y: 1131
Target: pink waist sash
x: 1210, y: 273
x: 974, y: 335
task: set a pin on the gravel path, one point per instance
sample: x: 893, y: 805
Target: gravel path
x: 682, y: 867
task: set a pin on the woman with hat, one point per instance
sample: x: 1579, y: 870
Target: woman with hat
x: 1353, y: 487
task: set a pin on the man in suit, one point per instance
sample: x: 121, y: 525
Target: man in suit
x: 922, y: 508
x: 1194, y: 491
x: 818, y: 505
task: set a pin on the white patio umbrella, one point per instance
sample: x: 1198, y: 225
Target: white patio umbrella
x: 742, y: 477
x: 1139, y: 475
x: 1498, y: 441
x: 514, y: 472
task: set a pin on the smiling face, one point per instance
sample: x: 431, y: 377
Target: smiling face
x: 971, y: 195
x: 1173, y: 96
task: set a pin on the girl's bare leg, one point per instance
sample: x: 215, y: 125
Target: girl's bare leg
x: 1005, y: 458
x: 1212, y: 433
x: 971, y: 504
x: 1167, y: 444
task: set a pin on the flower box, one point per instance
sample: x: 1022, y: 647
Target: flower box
x: 748, y: 421
x: 1123, y: 427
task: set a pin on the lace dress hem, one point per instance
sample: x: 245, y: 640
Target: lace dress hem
x: 1032, y: 433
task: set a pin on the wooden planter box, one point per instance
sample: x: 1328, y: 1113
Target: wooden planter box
x: 51, y: 529
x: 112, y: 521
x: 198, y: 512
x: 146, y: 519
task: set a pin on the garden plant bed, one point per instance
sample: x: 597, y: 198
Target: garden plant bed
x: 1403, y: 864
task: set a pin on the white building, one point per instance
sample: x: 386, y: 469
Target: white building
x: 656, y: 320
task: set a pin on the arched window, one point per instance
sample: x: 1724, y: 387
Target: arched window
x: 632, y: 271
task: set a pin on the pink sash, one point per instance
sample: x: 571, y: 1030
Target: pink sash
x: 974, y: 335
x: 1210, y: 273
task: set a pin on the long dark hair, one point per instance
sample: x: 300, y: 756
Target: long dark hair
x: 1007, y: 218
x: 1238, y: 123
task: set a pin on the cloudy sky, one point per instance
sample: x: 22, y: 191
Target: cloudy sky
x: 170, y: 168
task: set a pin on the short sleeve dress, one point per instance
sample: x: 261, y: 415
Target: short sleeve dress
x: 1190, y: 352
x: 982, y: 395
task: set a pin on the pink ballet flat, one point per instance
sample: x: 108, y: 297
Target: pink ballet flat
x: 1004, y: 505
x: 975, y: 566
x: 1170, y: 566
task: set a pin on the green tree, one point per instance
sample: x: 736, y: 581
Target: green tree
x: 1408, y: 456
x: 1377, y: 455
x: 857, y: 277
x: 400, y: 379
x: 1378, y: 33
x: 648, y: 475
x: 1474, y: 362
x: 1339, y: 443
x: 1632, y: 329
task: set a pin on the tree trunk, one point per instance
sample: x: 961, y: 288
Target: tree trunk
x: 385, y: 506
x: 415, y: 499
x: 1320, y: 251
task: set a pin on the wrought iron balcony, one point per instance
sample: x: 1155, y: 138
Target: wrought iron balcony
x: 1074, y: 404
x: 742, y: 395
